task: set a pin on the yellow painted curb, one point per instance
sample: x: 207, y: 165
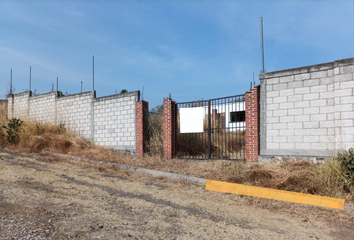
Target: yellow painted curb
x: 274, y: 194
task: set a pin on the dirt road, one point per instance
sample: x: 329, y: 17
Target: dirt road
x: 52, y: 199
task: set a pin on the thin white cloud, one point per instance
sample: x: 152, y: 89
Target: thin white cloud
x: 9, y: 53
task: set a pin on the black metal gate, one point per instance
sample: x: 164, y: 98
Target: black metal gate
x: 223, y: 132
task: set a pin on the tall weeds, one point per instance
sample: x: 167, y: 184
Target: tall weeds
x: 3, y: 122
x: 155, y: 135
x: 326, y: 179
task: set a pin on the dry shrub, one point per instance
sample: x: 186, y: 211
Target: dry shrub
x: 302, y: 176
x: 155, y: 135
x: 3, y: 116
x: 258, y: 174
x: 3, y: 121
x: 332, y: 180
x: 223, y: 144
x: 192, y: 144
x: 49, y: 142
x: 235, y: 142
x: 32, y: 128
x: 3, y: 141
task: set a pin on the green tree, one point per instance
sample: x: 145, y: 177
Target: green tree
x: 12, y: 129
x: 157, y: 110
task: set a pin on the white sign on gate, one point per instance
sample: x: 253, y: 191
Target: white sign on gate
x: 191, y: 120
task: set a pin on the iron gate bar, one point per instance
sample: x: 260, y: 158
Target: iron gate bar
x: 241, y: 95
x: 209, y: 131
x: 223, y: 137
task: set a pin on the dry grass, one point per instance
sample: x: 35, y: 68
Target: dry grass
x: 192, y: 145
x: 155, y: 135
x: 227, y: 145
x: 3, y: 121
x: 299, y: 176
x: 302, y: 176
x: 325, y: 179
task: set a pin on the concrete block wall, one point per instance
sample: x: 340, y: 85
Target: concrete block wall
x: 109, y: 121
x: 307, y: 111
x: 114, y: 120
x: 75, y: 112
x: 41, y: 107
x: 10, y: 104
x: 18, y: 105
x: 344, y: 103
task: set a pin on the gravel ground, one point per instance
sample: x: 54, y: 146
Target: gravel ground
x: 53, y: 199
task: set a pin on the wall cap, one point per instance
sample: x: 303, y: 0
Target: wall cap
x: 307, y: 69
x: 43, y: 94
x: 120, y: 95
x: 29, y: 93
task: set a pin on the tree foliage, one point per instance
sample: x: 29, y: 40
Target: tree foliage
x: 12, y: 129
x: 157, y: 110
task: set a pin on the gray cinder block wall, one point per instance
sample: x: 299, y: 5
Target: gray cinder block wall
x: 75, y: 112
x: 41, y: 107
x: 18, y: 105
x: 109, y: 121
x: 307, y: 111
x: 114, y: 120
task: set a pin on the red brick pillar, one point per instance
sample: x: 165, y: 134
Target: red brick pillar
x: 142, y: 109
x: 169, y: 128
x: 252, y: 124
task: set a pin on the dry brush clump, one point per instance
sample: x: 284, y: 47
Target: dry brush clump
x: 155, y: 134
x: 192, y: 144
x: 3, y: 122
x: 236, y: 141
x: 223, y: 144
x: 36, y: 137
x: 326, y: 179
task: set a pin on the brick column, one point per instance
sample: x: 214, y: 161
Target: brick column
x: 252, y: 124
x: 142, y: 109
x: 169, y: 128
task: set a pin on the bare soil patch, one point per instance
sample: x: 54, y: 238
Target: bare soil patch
x: 53, y: 198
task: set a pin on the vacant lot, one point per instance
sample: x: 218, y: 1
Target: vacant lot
x: 51, y: 198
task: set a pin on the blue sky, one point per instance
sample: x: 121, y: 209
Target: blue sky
x: 191, y: 49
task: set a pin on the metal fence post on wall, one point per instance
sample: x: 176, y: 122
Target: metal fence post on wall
x: 12, y: 97
x: 209, y: 131
x: 30, y: 79
x: 93, y: 73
